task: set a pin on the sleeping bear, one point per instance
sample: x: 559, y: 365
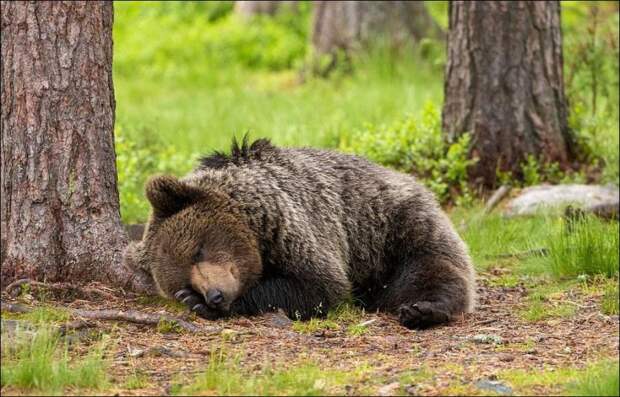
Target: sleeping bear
x: 302, y: 230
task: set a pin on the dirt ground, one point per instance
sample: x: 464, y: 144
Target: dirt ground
x: 449, y: 359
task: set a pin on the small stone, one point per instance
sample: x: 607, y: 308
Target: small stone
x: 506, y: 358
x: 136, y: 352
x: 494, y: 386
x: 568, y: 350
x: 411, y: 390
x: 389, y: 389
x: 159, y: 351
x: 488, y: 339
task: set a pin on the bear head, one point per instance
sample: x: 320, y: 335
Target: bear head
x: 196, y: 237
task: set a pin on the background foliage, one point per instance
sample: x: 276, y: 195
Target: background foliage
x: 190, y: 75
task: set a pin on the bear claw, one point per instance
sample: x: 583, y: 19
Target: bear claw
x: 196, y: 303
x: 183, y: 294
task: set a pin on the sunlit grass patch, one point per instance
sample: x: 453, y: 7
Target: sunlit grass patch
x: 38, y: 361
x: 492, y: 238
x: 609, y: 302
x: 137, y: 380
x: 223, y: 377
x: 344, y: 315
x: 548, y: 301
x: 315, y: 325
x: 168, y: 326
x: 41, y: 315
x: 591, y: 247
x: 169, y: 304
x: 599, y: 380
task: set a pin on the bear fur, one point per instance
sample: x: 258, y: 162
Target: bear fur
x: 304, y: 229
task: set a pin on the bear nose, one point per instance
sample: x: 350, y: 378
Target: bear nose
x: 214, y: 297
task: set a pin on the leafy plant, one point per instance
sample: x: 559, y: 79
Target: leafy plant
x: 417, y: 147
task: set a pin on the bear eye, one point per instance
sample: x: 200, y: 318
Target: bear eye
x: 198, y: 256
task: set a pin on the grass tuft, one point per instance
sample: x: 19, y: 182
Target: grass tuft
x: 222, y: 377
x: 590, y: 248
x: 40, y: 362
x: 599, y: 380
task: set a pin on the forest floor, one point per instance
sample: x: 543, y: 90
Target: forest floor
x: 519, y: 341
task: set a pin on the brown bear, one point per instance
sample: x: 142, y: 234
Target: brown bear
x: 302, y: 230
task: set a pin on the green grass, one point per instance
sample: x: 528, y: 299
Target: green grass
x: 137, y: 380
x: 222, y: 376
x: 599, y: 380
x: 592, y: 248
x: 609, y: 303
x: 40, y: 363
x: 344, y: 315
x: 41, y: 315
x: 492, y: 235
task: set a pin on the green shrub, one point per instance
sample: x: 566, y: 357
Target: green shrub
x: 187, y: 38
x: 591, y: 247
x: 138, y: 159
x: 417, y: 147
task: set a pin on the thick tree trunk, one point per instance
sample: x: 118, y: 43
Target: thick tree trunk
x: 59, y: 206
x: 347, y: 25
x: 504, y: 84
x: 248, y: 9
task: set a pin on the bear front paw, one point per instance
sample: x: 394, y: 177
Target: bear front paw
x: 422, y: 315
x: 196, y: 303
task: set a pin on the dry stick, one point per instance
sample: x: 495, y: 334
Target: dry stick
x: 132, y: 316
x: 496, y: 198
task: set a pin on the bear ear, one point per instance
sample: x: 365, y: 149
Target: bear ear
x: 168, y: 195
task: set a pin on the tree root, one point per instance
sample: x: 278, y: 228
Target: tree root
x: 63, y: 289
x: 132, y: 316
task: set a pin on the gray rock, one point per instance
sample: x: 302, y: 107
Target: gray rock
x: 495, y: 386
x: 552, y: 198
x: 488, y: 339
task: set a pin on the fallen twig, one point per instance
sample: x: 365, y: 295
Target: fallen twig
x: 134, y: 316
x: 367, y: 322
x: 496, y: 198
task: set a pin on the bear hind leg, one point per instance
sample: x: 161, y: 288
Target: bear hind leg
x: 430, y: 291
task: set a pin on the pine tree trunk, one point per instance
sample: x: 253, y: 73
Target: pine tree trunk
x: 59, y: 206
x: 347, y: 25
x: 504, y: 84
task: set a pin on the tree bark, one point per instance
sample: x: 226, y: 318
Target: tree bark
x: 59, y: 206
x: 347, y: 25
x: 248, y: 9
x: 504, y: 84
